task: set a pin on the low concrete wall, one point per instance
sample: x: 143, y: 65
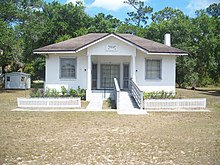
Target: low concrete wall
x: 49, y: 102
x: 199, y: 103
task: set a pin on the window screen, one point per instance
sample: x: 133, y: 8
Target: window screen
x: 153, y: 69
x: 68, y: 68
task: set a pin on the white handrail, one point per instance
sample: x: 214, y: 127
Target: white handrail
x: 116, y: 92
x: 137, y: 94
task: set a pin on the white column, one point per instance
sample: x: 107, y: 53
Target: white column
x: 133, y: 68
x: 89, y: 81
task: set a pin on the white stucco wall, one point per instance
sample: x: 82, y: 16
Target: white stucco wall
x: 123, y: 55
x: 167, y: 81
x: 53, y: 71
x: 123, y: 49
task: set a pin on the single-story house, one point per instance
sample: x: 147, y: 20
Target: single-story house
x: 92, y: 61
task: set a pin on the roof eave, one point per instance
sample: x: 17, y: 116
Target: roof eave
x: 169, y: 53
x: 54, y: 52
x: 74, y: 51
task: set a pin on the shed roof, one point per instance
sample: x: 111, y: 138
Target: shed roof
x: 17, y: 73
x: 78, y: 43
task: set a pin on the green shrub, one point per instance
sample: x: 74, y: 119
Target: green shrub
x: 73, y: 92
x: 78, y: 93
x: 111, y: 103
x: 81, y: 93
x: 64, y: 91
x: 54, y: 93
x: 37, y: 92
x: 51, y: 92
x: 159, y: 95
x: 47, y: 92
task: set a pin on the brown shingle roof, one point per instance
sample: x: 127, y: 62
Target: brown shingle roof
x: 77, y: 43
x: 149, y: 45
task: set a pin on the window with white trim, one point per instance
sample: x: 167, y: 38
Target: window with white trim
x: 153, y: 69
x: 67, y: 68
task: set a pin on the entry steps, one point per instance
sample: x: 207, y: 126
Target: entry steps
x: 95, y: 104
x: 128, y: 106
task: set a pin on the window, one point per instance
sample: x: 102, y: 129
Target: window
x: 8, y: 78
x: 68, y: 68
x: 22, y: 79
x: 153, y: 69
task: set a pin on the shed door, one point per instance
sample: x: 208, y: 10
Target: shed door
x: 15, y: 82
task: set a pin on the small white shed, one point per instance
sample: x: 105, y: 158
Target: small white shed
x: 17, y: 80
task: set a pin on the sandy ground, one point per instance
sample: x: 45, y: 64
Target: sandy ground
x: 105, y: 137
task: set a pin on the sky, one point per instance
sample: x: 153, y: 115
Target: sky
x: 119, y: 10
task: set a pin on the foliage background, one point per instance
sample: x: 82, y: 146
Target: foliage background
x: 26, y: 25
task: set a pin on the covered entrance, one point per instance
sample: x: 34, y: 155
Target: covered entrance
x: 103, y: 75
x: 108, y: 59
x: 108, y: 73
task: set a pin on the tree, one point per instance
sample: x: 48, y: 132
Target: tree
x: 140, y: 14
x: 11, y: 43
x: 198, y: 36
x: 167, y: 14
x: 17, y: 11
x: 131, y: 29
x: 60, y: 20
x: 102, y: 23
x: 214, y: 10
x: 206, y: 39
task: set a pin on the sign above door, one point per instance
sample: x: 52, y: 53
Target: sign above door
x: 112, y: 47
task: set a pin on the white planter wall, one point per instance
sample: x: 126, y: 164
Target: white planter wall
x: 49, y: 102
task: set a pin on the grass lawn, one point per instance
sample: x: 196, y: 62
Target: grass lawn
x: 107, y: 138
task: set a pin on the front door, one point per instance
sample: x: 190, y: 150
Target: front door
x: 108, y: 73
x: 126, y: 76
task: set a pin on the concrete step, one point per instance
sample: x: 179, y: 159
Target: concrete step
x: 101, y: 94
x: 95, y: 104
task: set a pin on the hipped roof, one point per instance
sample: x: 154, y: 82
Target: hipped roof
x: 81, y: 42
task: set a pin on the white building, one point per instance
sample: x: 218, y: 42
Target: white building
x: 93, y: 60
x: 17, y: 80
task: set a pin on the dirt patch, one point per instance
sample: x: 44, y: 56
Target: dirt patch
x: 105, y: 137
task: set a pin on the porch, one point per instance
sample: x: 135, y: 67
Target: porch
x: 101, y: 73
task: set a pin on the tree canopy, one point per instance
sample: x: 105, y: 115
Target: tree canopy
x: 140, y: 15
x: 26, y: 25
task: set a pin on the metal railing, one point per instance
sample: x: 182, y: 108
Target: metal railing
x: 137, y: 94
x: 116, y: 93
